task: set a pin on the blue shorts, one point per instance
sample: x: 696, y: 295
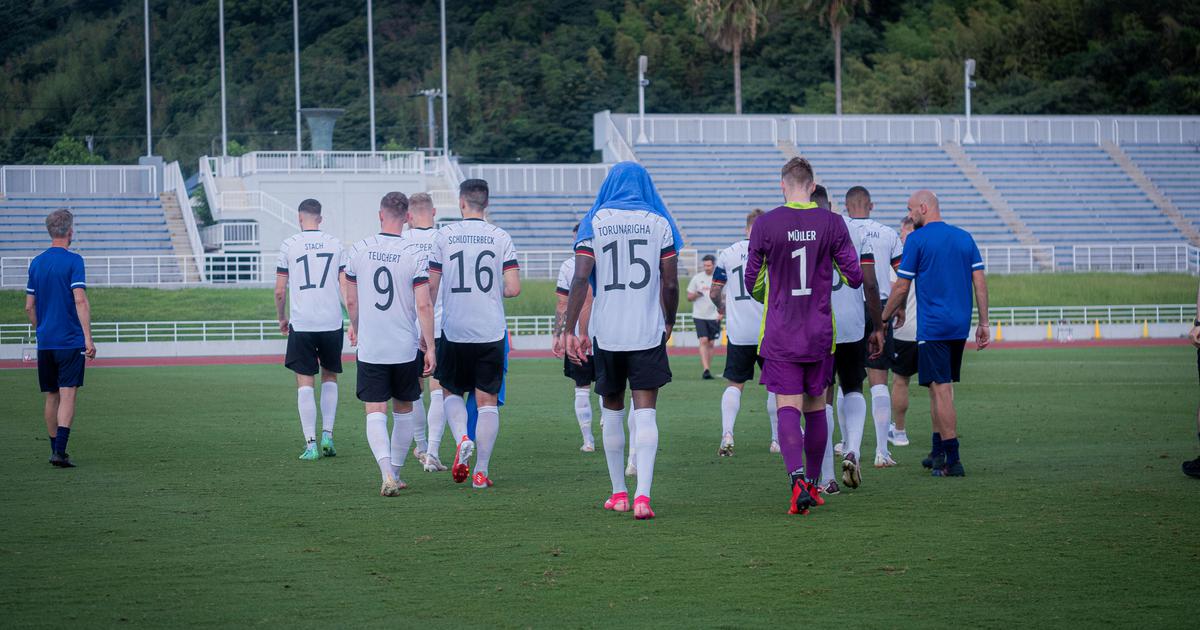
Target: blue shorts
x: 60, y: 368
x: 939, y: 361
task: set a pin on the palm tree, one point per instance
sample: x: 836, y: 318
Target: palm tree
x: 728, y: 24
x: 837, y: 14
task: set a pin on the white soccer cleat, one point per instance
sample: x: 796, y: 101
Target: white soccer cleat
x: 774, y: 446
x: 391, y: 487
x: 884, y: 460
x: 898, y: 438
x: 588, y: 447
x: 419, y: 454
x: 432, y: 463
x: 837, y: 449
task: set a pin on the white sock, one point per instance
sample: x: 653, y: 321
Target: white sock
x: 647, y: 449
x: 486, y: 430
x: 827, y: 462
x: 436, y: 420
x: 456, y: 416
x: 773, y: 415
x: 856, y: 420
x: 329, y: 397
x: 403, y: 426
x: 583, y: 413
x: 841, y: 415
x: 613, y: 434
x: 419, y: 425
x: 308, y: 413
x: 881, y: 412
x: 731, y: 401
x: 632, y: 434
x: 377, y: 438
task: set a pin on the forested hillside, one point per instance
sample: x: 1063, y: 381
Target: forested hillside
x: 526, y: 75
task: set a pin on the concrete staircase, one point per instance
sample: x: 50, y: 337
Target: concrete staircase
x: 179, y: 236
x: 990, y: 194
x: 1160, y: 200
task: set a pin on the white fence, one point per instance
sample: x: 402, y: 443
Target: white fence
x: 174, y: 183
x: 1151, y: 258
x: 1114, y: 314
x: 398, y: 162
x: 1138, y: 130
x: 255, y: 200
x: 705, y: 130
x: 78, y: 180
x: 230, y: 234
x: 558, y: 178
x: 1020, y: 130
x: 1035, y: 259
x: 812, y: 130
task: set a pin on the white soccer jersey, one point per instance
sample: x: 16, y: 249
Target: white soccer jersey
x: 885, y: 245
x: 566, y: 274
x: 422, y: 243
x: 472, y: 256
x: 849, y: 305
x: 908, y: 332
x: 743, y: 313
x: 311, y: 261
x: 627, y: 311
x: 384, y: 274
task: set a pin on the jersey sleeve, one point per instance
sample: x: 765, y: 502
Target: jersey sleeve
x: 281, y: 263
x: 867, y: 254
x: 563, y: 286
x: 845, y: 256
x: 720, y: 276
x: 341, y: 254
x: 436, y: 253
x: 976, y: 257
x: 350, y: 267
x: 897, y: 251
x: 79, y: 274
x: 910, y: 261
x: 29, y: 288
x: 420, y: 271
x: 694, y: 284
x: 667, y: 247
x: 509, y: 255
x: 585, y: 248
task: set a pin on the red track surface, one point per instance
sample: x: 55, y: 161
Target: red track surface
x: 545, y: 354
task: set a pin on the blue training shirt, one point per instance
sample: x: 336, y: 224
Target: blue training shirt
x: 943, y: 257
x: 53, y: 276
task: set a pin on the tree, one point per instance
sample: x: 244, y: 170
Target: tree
x: 836, y: 14
x: 68, y: 150
x: 728, y: 24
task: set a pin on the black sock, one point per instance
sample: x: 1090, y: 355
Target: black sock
x: 951, y: 448
x: 53, y: 441
x: 938, y: 449
x: 60, y: 440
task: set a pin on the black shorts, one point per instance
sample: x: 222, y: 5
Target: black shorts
x: 739, y: 362
x: 940, y: 361
x: 60, y: 368
x: 463, y: 367
x: 883, y: 361
x: 307, y: 351
x: 379, y: 382
x: 583, y: 375
x: 708, y: 328
x: 904, y: 357
x: 642, y: 369
x: 849, y: 365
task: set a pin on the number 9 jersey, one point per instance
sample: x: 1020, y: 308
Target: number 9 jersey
x: 384, y: 272
x: 472, y: 256
x: 628, y: 245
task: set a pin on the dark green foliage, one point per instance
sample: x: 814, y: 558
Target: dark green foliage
x: 525, y: 76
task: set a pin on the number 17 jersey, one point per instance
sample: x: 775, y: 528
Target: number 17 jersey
x: 472, y: 256
x: 628, y: 245
x: 311, y: 261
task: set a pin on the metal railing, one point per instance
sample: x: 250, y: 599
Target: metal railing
x: 1150, y: 258
x: 1019, y: 259
x: 705, y: 130
x: 120, y: 271
x: 864, y: 130
x: 174, y: 183
x: 615, y: 141
x: 1138, y: 130
x: 390, y: 162
x: 257, y: 200
x: 558, y: 178
x: 1020, y: 130
x: 230, y: 234
x: 78, y: 180
x: 1115, y: 314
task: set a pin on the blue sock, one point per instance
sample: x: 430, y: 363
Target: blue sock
x: 60, y: 440
x: 937, y: 445
x: 53, y: 441
x: 951, y: 447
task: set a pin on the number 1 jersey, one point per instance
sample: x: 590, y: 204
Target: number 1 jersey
x: 743, y: 314
x: 628, y: 245
x: 472, y: 256
x: 312, y: 260
x: 385, y: 272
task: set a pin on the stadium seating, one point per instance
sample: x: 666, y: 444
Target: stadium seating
x: 1175, y: 171
x: 539, y: 221
x: 104, y: 226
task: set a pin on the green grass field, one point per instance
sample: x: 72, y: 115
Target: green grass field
x: 189, y: 508
x: 537, y: 297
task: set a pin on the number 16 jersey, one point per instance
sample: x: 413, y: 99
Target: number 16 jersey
x: 472, y: 256
x: 628, y: 246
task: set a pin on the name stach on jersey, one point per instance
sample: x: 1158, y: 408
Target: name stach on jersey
x: 311, y: 261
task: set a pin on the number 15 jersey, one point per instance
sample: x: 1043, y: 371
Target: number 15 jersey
x: 628, y: 245
x: 472, y: 256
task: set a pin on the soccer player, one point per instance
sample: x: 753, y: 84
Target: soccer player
x: 1191, y: 468
x: 628, y: 247
x: 478, y: 263
x: 420, y: 235
x: 945, y: 262
x: 57, y: 306
x: 704, y: 313
x: 391, y: 321
x: 584, y: 373
x: 904, y: 353
x: 308, y: 304
x: 884, y: 242
x: 744, y: 315
x: 798, y: 244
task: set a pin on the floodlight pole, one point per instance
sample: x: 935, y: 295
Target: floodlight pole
x: 146, y: 36
x: 643, y: 62
x: 224, y: 128
x: 445, y: 93
x: 296, y: 55
x: 968, y: 72
x: 371, y: 69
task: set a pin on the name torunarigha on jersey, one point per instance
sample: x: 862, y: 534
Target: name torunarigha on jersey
x: 788, y: 269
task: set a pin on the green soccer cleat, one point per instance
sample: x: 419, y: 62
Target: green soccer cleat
x: 327, y: 445
x: 310, y: 453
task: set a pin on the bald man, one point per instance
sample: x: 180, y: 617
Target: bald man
x: 947, y: 262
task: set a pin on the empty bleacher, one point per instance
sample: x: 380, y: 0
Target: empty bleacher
x: 539, y: 220
x: 104, y: 226
x: 1173, y: 169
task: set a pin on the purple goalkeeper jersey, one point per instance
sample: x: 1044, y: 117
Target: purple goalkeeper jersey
x: 789, y: 268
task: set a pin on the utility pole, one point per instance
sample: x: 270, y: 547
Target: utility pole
x: 968, y: 84
x: 643, y: 64
x: 146, y: 37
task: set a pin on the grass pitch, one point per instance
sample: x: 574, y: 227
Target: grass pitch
x: 190, y: 508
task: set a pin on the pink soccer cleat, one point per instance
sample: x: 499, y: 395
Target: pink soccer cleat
x: 618, y: 502
x: 641, y: 508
